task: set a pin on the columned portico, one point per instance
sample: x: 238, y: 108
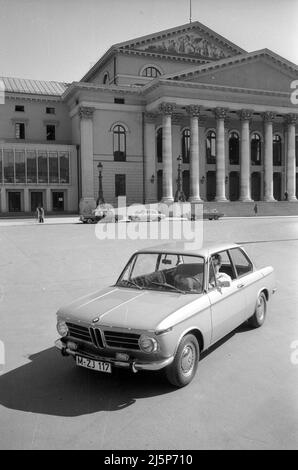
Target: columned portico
x: 291, y: 160
x: 86, y: 131
x: 245, y: 192
x: 194, y: 113
x: 220, y: 114
x: 268, y: 160
x: 167, y: 110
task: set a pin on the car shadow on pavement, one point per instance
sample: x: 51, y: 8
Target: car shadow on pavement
x: 53, y: 385
x: 243, y: 328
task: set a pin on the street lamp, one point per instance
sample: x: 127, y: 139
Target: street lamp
x: 100, y: 198
x: 180, y: 196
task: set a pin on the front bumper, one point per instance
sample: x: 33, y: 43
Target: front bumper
x: 134, y: 365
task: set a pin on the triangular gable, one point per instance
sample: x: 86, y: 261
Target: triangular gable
x: 262, y: 70
x: 193, y: 41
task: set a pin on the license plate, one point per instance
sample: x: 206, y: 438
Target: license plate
x: 99, y: 366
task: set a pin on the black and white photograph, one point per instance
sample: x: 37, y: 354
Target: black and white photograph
x: 148, y: 227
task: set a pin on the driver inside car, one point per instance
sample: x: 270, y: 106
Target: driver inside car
x: 220, y: 277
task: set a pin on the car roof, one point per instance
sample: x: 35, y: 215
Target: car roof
x: 188, y: 248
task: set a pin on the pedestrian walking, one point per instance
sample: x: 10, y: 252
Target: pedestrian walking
x: 256, y: 209
x: 286, y: 195
x: 40, y: 214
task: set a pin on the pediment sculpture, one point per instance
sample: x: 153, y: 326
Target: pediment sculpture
x: 188, y: 44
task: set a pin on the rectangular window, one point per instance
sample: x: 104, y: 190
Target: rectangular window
x: 19, y: 108
x: 31, y: 166
x: 20, y: 130
x: 119, y: 101
x: 8, y: 165
x: 42, y: 167
x: 53, y: 167
x: 120, y: 185
x: 51, y: 132
x: 64, y: 167
x: 50, y: 111
x: 20, y: 166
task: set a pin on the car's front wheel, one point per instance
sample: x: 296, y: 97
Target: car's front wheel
x: 184, y: 367
x: 259, y: 316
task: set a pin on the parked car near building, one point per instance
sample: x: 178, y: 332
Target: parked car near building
x: 144, y: 215
x: 102, y: 211
x: 168, y: 306
x: 212, y: 214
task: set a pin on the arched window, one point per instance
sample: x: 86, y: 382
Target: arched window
x: 159, y: 145
x: 185, y: 144
x: 211, y: 147
x: 119, y: 143
x: 234, y: 148
x: 256, y: 149
x: 277, y: 150
x: 151, y: 72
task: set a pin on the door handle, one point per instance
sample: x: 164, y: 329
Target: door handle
x: 240, y: 286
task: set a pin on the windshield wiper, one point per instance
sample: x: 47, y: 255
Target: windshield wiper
x: 131, y: 283
x: 165, y: 284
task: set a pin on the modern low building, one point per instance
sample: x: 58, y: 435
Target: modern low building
x: 184, y: 91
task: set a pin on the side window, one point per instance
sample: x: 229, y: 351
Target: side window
x: 226, y: 265
x: 241, y: 262
x: 221, y: 270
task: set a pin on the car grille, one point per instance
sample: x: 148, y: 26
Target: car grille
x: 79, y: 332
x: 115, y: 339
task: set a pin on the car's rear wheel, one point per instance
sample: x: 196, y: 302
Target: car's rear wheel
x: 259, y: 316
x: 185, y: 364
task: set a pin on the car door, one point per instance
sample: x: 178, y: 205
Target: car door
x: 247, y: 279
x: 228, y: 304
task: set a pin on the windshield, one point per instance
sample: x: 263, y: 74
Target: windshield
x: 164, y: 271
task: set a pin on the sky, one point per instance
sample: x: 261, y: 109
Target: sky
x: 61, y: 39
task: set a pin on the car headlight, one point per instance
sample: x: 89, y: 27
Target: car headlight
x: 148, y: 344
x: 62, y: 328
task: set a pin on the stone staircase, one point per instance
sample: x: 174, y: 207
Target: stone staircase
x: 246, y: 209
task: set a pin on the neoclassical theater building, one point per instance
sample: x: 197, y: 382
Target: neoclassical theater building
x: 185, y: 91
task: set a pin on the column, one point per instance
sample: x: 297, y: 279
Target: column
x: 245, y: 192
x: 167, y: 111
x: 291, y: 158
x: 3, y: 200
x: 26, y: 200
x: 150, y: 176
x: 194, y: 112
x: 87, y: 202
x: 220, y: 114
x: 268, y: 158
x: 48, y: 200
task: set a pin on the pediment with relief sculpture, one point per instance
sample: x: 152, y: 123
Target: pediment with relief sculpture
x: 190, y: 41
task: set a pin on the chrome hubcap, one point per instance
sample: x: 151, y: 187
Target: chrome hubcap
x: 260, y: 309
x: 188, y: 359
